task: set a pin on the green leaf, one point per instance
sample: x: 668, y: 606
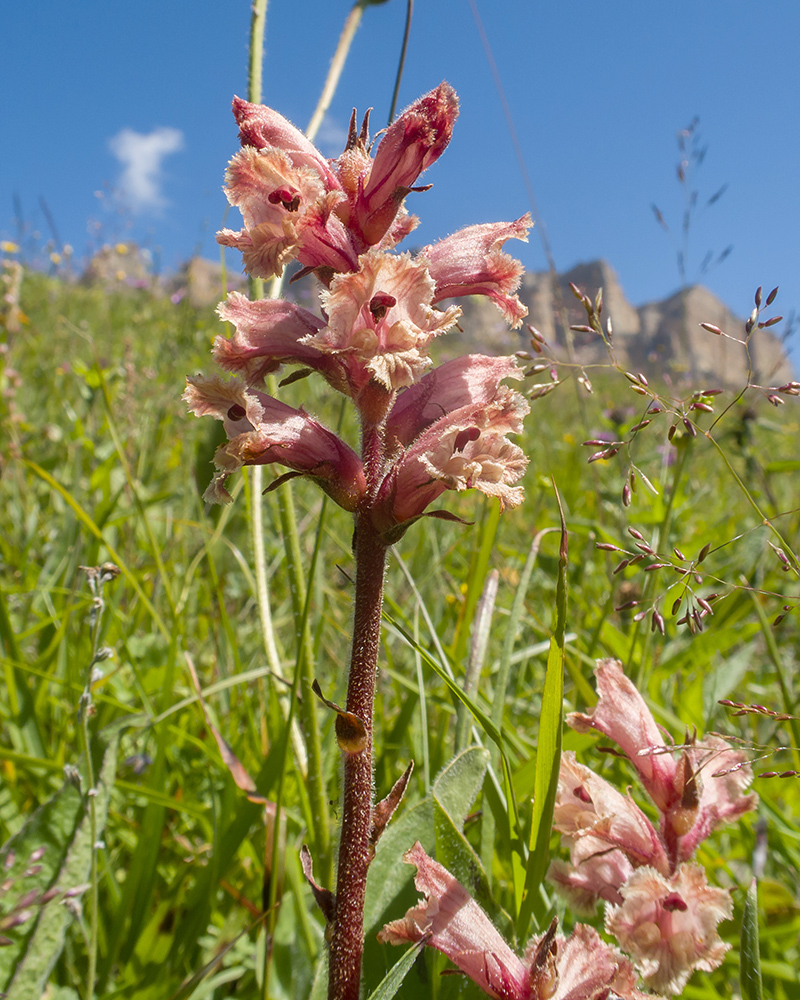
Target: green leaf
x: 548, y: 752
x: 393, y: 979
x: 454, y: 791
x: 750, y: 958
x: 66, y: 822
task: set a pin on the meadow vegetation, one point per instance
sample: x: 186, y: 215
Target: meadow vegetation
x: 102, y: 464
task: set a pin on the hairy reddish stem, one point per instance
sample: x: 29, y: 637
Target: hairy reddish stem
x: 355, y: 849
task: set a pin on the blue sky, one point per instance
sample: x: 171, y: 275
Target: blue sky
x: 118, y: 116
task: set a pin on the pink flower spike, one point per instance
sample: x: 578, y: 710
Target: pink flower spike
x: 622, y: 715
x: 414, y: 141
x: 262, y: 128
x: 581, y: 967
x: 471, y: 379
x: 268, y: 334
x: 669, y: 926
x: 262, y: 431
x: 380, y: 321
x: 471, y: 262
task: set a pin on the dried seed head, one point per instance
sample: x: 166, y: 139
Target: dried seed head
x: 711, y: 328
x: 703, y: 552
x: 582, y: 328
x: 621, y: 565
x: 656, y: 622
x: 640, y: 426
x: 626, y: 496
x: 608, y: 547
x: 640, y: 615
x: 679, y: 554
x: 636, y: 534
x: 775, y: 400
x: 690, y: 427
x: 770, y: 322
x: 576, y: 291
x: 758, y: 297
x: 671, y: 432
x: 772, y: 295
x: 675, y: 606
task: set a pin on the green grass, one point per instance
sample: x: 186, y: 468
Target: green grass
x: 101, y: 462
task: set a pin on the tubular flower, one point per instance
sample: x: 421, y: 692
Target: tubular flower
x: 669, y: 925
x: 466, y: 449
x: 471, y: 379
x: 263, y: 128
x: 376, y: 188
x: 380, y: 321
x: 287, y: 213
x: 554, y: 968
x: 471, y: 262
x: 270, y: 333
x: 594, y: 818
x: 262, y: 430
x: 691, y: 806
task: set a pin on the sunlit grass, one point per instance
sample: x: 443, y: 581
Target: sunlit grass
x: 101, y: 462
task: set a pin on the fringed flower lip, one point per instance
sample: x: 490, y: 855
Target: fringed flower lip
x: 262, y: 430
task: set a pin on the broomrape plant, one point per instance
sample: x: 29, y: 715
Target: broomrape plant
x: 424, y: 430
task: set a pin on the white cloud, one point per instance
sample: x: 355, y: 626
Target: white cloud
x: 141, y: 157
x: 331, y: 138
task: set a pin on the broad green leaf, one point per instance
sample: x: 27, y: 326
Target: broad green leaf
x: 43, y: 945
x: 454, y: 791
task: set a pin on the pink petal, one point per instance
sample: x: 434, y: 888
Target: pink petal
x: 598, y: 877
x: 622, y: 715
x: 261, y: 127
x: 594, y: 817
x: 472, y: 378
x: 669, y: 926
x: 381, y: 320
x: 269, y: 333
x: 450, y: 920
x: 411, y: 144
x: 471, y: 262
x: 262, y: 430
x: 588, y: 968
x: 466, y: 449
x: 722, y: 799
